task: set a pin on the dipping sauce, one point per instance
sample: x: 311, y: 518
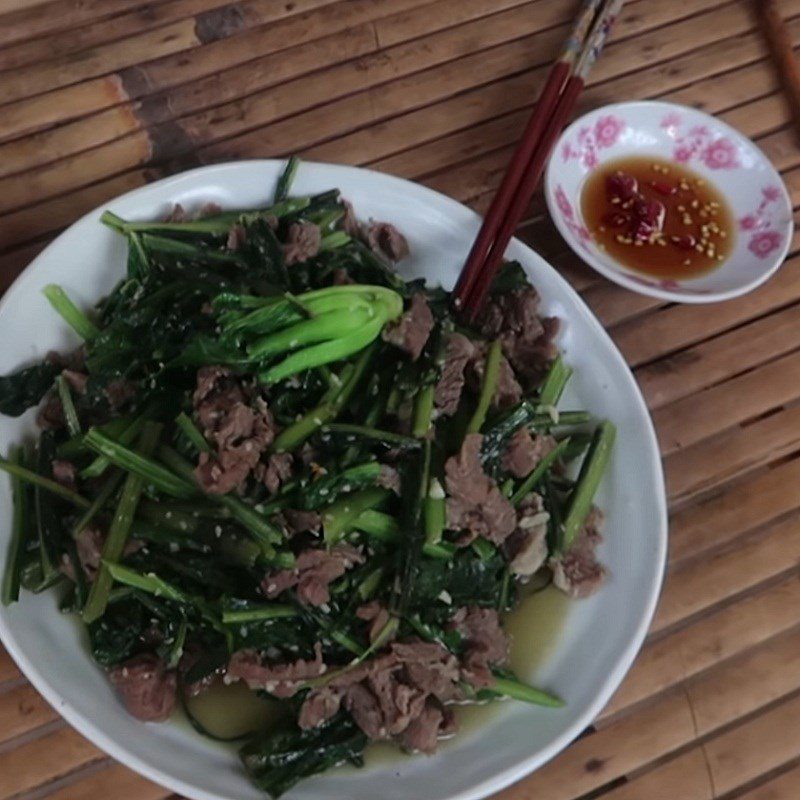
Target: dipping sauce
x: 658, y: 217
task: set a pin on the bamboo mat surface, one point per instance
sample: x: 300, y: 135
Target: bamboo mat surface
x: 98, y: 97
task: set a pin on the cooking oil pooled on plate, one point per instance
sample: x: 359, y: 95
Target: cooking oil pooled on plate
x: 229, y: 712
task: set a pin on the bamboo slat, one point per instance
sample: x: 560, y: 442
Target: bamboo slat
x: 697, y: 469
x: 734, y: 511
x: 23, y: 19
x: 675, y: 328
x: 688, y: 421
x: 321, y: 123
x: 716, y: 698
x: 22, y: 710
x: 44, y: 760
x: 784, y: 787
x: 725, y: 763
x: 677, y: 376
x: 686, y: 776
x: 115, y: 782
x: 74, y: 40
x: 717, y: 577
x: 726, y: 632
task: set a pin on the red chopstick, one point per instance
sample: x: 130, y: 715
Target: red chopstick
x: 527, y: 164
x: 511, y: 180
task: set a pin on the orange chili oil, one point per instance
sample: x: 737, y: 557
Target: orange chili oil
x: 658, y: 217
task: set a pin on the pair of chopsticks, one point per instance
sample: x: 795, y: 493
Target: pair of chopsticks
x: 556, y: 102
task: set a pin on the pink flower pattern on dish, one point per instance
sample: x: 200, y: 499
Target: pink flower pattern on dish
x: 749, y: 222
x: 562, y: 201
x: 603, y: 134
x: 668, y: 284
x: 721, y: 154
x: 671, y: 120
x: 763, y: 243
x: 607, y: 130
x: 764, y: 240
x: 578, y: 230
x: 699, y: 142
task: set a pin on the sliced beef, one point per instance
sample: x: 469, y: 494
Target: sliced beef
x: 365, y: 708
x: 527, y: 338
x: 281, y: 680
x: 51, y: 413
x: 447, y: 393
x: 531, y: 358
x: 314, y: 570
x: 176, y: 214
x: 65, y: 473
x: 475, y: 504
x: 525, y: 451
x: 341, y: 277
x: 239, y: 429
x: 508, y: 392
x: 89, y: 546
x: 412, y: 330
x: 350, y: 223
x: 485, y: 643
x: 319, y: 706
x: 526, y: 548
x: 74, y: 360
x: 120, y: 391
x: 299, y: 521
x: 376, y: 614
x: 275, y: 471
x: 147, y: 689
x: 302, y: 242
x: 237, y: 237
x: 423, y: 732
x: 212, y: 381
x: 578, y: 572
x: 208, y: 210
x: 514, y: 312
x: 391, y: 694
x: 384, y: 239
x: 77, y: 380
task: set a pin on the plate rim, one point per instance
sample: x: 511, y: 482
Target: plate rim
x: 499, y: 780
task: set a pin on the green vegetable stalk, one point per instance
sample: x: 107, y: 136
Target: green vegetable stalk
x: 592, y: 469
x: 538, y: 472
x: 71, y: 314
x: 120, y: 527
x: 335, y: 399
x: 70, y: 414
x: 19, y: 532
x: 491, y: 374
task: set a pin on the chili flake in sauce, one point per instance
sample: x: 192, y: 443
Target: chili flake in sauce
x: 658, y: 217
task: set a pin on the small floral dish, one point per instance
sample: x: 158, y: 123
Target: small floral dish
x: 761, y: 210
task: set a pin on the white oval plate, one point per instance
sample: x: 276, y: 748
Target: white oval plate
x: 761, y: 206
x: 600, y: 637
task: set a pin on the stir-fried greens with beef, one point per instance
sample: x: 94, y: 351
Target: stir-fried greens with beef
x: 273, y: 461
